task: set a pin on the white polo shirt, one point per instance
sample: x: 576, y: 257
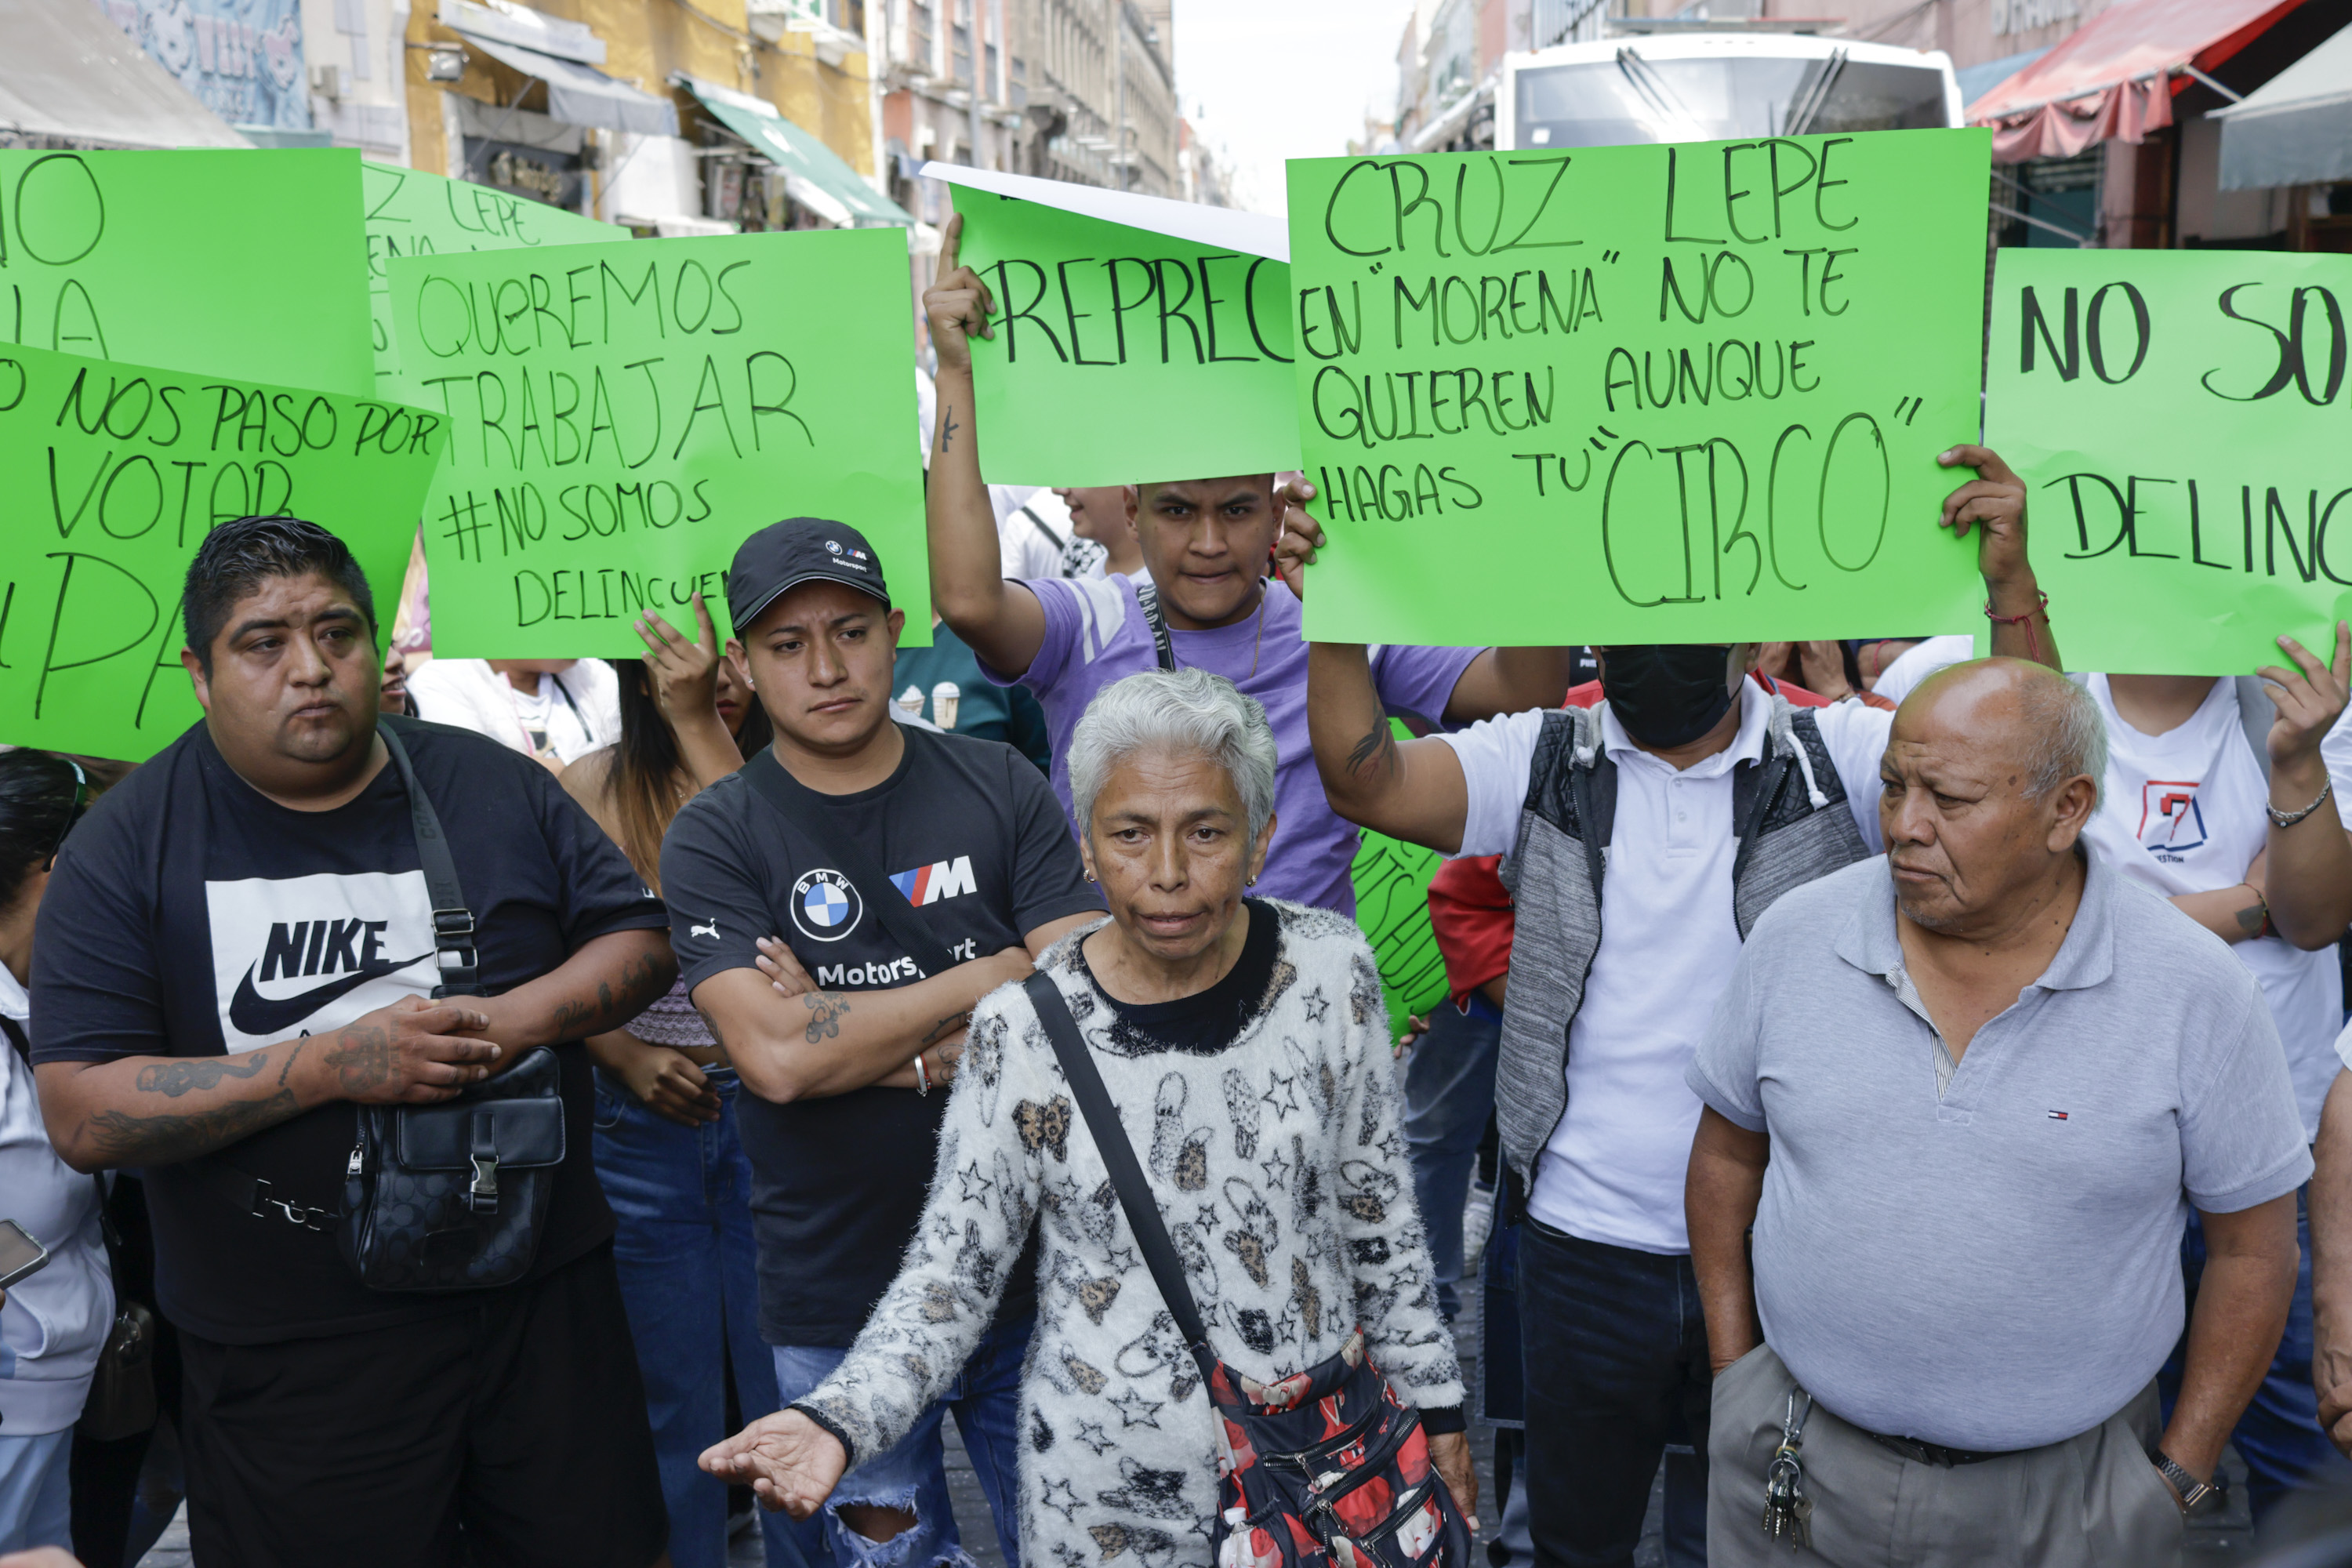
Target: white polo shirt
x: 1614, y: 1168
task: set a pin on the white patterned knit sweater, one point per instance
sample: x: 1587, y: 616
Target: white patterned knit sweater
x: 1280, y: 1167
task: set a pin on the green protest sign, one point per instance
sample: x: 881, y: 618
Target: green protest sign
x: 2173, y: 414
x: 1122, y: 355
x: 621, y: 418
x: 231, y: 263
x: 1686, y: 393
x: 410, y: 213
x: 1391, y: 883
x: 120, y: 470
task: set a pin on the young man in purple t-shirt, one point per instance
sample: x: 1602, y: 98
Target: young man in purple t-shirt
x: 1206, y: 546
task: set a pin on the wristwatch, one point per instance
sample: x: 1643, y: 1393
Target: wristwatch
x: 2195, y: 1497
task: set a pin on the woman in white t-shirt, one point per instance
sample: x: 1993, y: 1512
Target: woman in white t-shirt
x: 557, y: 710
x: 2182, y: 809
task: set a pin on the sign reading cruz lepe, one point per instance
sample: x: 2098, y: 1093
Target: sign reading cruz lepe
x: 2178, y: 416
x: 233, y: 263
x: 1686, y: 393
x: 120, y: 470
x: 623, y: 416
x: 411, y: 213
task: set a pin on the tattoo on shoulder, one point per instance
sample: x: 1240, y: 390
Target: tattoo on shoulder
x: 177, y: 1079
x: 825, y: 1008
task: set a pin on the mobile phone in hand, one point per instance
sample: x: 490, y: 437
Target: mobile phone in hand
x: 21, y: 1254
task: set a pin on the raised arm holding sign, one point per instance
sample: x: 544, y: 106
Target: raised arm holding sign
x: 1207, y: 545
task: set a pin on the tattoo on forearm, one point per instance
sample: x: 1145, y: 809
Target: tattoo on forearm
x: 2251, y: 918
x: 120, y: 1139
x: 825, y: 1008
x: 288, y: 1067
x: 177, y: 1079
x: 946, y: 1027
x: 711, y: 1023
x: 947, y: 428
x: 639, y: 983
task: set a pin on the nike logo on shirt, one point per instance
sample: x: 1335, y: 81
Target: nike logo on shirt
x: 253, y: 1013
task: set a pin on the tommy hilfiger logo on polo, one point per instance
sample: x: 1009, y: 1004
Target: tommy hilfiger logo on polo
x: 305, y: 955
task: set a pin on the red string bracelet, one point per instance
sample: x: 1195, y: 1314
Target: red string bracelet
x: 2032, y: 643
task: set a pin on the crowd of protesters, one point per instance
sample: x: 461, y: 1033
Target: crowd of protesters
x: 497, y: 1111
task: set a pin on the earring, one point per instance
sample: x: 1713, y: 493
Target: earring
x: 1251, y: 883
x: 1091, y: 876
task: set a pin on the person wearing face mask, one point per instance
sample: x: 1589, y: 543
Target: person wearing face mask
x: 1645, y: 836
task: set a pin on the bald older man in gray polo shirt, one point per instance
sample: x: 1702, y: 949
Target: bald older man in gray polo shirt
x: 1967, y: 1095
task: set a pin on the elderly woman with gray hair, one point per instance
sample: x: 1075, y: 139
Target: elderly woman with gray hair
x: 1246, y: 1040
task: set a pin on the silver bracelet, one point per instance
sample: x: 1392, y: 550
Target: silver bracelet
x: 922, y: 1075
x: 2289, y: 819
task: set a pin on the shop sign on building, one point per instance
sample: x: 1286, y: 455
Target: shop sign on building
x: 242, y: 57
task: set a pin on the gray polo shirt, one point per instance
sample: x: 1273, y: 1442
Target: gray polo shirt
x: 1998, y: 1268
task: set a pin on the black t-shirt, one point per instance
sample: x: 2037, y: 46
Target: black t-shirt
x: 191, y: 916
x: 970, y: 831
x: 1207, y: 1021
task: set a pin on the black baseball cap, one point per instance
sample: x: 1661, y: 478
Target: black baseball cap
x: 784, y: 555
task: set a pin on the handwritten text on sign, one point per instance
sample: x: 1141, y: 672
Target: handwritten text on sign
x: 410, y: 213
x: 1120, y: 355
x: 119, y: 471
x: 231, y: 263
x: 623, y: 416
x: 1656, y: 393
x: 2178, y: 416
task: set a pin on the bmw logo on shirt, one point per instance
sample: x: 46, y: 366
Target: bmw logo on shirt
x: 826, y: 906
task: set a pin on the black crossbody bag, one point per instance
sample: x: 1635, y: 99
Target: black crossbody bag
x: 811, y: 813
x: 437, y: 1197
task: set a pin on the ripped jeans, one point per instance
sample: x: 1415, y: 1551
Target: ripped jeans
x: 985, y: 1397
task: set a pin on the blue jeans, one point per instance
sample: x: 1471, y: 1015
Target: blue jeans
x: 1449, y: 1092
x: 1617, y: 1377
x: 689, y: 1278
x: 912, y: 1473
x: 2279, y: 1436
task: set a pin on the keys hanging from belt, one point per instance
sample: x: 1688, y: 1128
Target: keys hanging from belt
x: 1788, y: 1511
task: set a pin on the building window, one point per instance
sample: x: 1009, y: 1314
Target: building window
x: 920, y: 33
x: 1018, y: 88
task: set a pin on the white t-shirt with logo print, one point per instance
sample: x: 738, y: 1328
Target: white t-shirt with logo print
x: 2182, y: 813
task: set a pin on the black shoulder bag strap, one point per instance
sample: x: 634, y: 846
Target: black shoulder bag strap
x: 1059, y: 542
x: 453, y: 923
x: 1147, y: 594
x: 814, y: 815
x: 1127, y: 1177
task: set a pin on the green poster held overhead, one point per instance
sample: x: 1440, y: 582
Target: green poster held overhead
x: 621, y: 417
x: 120, y: 470
x: 242, y: 263
x: 1683, y: 393
x: 1136, y: 339
x: 411, y: 213
x: 2178, y: 417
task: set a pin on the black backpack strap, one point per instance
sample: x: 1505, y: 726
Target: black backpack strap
x: 1059, y: 542
x: 15, y: 1032
x: 814, y: 815
x: 1127, y: 1177
x: 453, y: 923
x: 1147, y: 594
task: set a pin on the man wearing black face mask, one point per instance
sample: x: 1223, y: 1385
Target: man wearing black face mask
x: 1682, y: 805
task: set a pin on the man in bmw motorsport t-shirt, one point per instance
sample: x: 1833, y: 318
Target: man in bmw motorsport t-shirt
x: 832, y: 1025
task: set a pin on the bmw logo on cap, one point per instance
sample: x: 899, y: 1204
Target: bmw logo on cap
x: 826, y: 906
x: 833, y: 545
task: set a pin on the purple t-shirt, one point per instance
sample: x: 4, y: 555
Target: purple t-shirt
x: 1096, y: 634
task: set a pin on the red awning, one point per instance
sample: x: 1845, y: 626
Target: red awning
x: 2115, y: 76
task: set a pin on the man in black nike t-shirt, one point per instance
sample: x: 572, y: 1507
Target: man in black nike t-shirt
x: 237, y: 950
x: 847, y: 1065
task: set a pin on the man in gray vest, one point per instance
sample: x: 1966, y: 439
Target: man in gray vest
x: 1683, y: 804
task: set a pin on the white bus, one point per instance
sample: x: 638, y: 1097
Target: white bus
x: 1717, y: 87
